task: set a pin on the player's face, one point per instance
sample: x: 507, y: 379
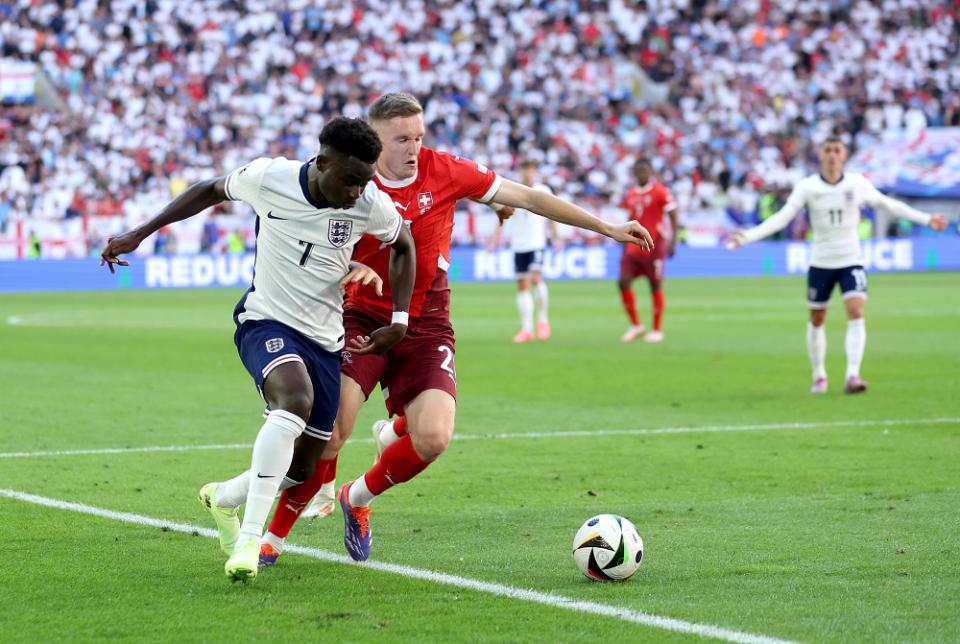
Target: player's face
x: 402, y: 138
x: 833, y: 154
x: 342, y: 179
x: 643, y: 171
x: 528, y: 174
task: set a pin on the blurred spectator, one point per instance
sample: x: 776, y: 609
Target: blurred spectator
x: 157, y: 97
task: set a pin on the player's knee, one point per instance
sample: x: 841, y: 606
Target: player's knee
x: 624, y: 283
x: 299, y: 403
x: 818, y: 317
x: 432, y: 443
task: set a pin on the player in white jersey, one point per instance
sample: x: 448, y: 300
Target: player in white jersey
x: 290, y: 321
x: 528, y: 240
x: 833, y: 200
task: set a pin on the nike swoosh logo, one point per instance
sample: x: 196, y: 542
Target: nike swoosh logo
x: 399, y: 207
x: 264, y: 476
x: 270, y: 215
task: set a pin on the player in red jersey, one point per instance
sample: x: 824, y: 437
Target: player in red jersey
x: 647, y: 204
x: 418, y: 378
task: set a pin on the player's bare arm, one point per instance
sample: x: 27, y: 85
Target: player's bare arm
x: 363, y: 275
x: 546, y: 205
x: 188, y: 203
x: 674, y: 215
x: 403, y: 269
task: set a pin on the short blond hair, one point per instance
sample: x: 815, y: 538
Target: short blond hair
x: 394, y: 105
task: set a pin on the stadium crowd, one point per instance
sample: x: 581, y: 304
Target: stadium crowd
x: 726, y: 97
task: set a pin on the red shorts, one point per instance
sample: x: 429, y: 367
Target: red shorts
x: 423, y: 360
x: 649, y: 266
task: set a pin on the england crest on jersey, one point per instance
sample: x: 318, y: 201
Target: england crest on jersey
x: 338, y: 231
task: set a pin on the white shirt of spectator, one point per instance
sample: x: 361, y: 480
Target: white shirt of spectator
x: 528, y: 231
x: 834, y: 211
x: 303, y: 251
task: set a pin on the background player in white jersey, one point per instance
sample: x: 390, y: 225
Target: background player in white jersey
x: 528, y: 240
x: 833, y: 200
x: 290, y: 322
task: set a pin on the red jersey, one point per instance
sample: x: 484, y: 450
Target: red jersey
x: 647, y: 205
x: 426, y: 201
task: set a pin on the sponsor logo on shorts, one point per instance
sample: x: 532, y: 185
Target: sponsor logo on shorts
x: 274, y: 344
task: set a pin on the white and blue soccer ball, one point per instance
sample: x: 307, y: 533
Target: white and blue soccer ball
x: 608, y: 547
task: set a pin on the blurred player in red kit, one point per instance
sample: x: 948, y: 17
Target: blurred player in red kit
x: 651, y: 204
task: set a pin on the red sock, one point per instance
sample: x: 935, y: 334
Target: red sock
x: 398, y: 463
x: 400, y: 426
x: 330, y: 474
x: 630, y: 304
x: 659, y: 300
x: 293, y: 500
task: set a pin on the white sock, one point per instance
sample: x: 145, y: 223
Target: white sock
x: 542, y: 299
x: 817, y: 349
x: 272, y: 454
x: 387, y: 435
x: 328, y: 489
x: 233, y: 493
x: 525, y: 306
x: 360, y: 494
x: 855, y: 343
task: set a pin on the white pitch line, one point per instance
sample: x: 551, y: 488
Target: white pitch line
x: 528, y: 435
x: 500, y: 590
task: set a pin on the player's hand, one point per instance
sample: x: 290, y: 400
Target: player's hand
x: 735, y: 241
x: 632, y: 233
x: 120, y: 245
x: 380, y: 341
x: 938, y: 222
x: 364, y: 275
x: 672, y: 249
x: 505, y: 213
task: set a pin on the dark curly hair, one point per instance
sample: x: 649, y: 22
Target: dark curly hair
x: 351, y: 137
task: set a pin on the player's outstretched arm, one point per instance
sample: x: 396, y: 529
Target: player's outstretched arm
x: 403, y: 269
x: 897, y: 208
x: 777, y: 222
x: 546, y: 205
x: 191, y: 201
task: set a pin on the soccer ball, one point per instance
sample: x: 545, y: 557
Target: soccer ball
x: 608, y: 547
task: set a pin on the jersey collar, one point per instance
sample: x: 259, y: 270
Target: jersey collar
x: 400, y: 183
x: 306, y: 190
x: 839, y: 181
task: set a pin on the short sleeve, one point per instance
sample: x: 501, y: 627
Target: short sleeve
x: 243, y: 184
x: 473, y: 180
x: 385, y: 221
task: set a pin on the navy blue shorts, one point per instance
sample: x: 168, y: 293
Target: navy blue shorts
x: 820, y: 283
x: 532, y: 260
x: 264, y: 345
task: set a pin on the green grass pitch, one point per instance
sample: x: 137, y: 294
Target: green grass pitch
x: 843, y: 527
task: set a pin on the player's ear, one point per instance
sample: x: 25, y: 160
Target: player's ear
x: 323, y: 162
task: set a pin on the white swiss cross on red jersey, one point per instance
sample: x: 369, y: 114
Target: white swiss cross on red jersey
x: 425, y: 200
